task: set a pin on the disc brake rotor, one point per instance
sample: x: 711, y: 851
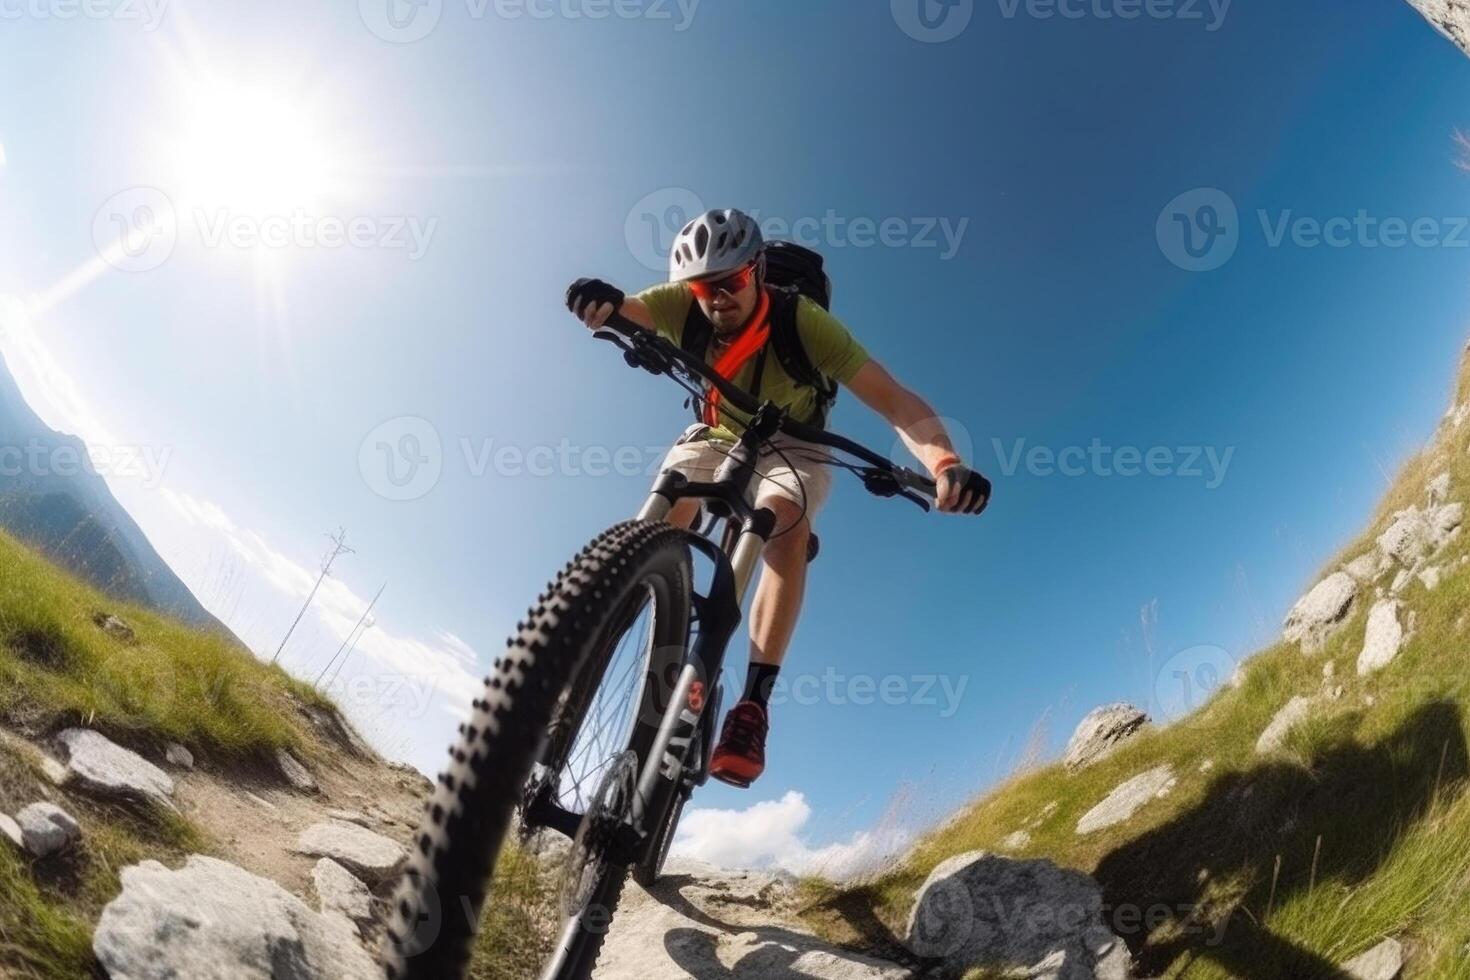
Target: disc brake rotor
x: 609, y: 810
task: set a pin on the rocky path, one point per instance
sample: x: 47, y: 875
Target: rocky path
x: 706, y: 922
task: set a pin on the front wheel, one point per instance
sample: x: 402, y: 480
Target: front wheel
x: 576, y: 698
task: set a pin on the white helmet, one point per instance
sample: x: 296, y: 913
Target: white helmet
x: 715, y: 242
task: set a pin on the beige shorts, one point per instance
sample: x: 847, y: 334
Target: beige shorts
x: 798, y: 476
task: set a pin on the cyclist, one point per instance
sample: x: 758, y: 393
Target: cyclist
x: 717, y: 273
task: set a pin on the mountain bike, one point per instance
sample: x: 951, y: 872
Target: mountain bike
x: 598, y: 722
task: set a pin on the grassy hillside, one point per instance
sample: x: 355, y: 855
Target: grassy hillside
x: 59, y: 668
x: 1269, y: 866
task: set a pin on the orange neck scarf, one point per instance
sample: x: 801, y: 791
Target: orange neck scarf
x: 752, y: 338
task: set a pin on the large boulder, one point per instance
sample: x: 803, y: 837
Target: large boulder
x: 1102, y: 731
x: 210, y: 920
x: 1452, y: 18
x: 1319, y: 613
x: 1127, y: 799
x: 1383, y: 638
x: 97, y: 765
x: 370, y: 856
x: 1028, y: 918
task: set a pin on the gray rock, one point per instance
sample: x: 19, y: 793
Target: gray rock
x: 372, y: 857
x: 1102, y: 731
x: 210, y: 920
x: 176, y: 755
x: 1295, y: 711
x: 339, y: 892
x: 54, y: 771
x: 979, y: 910
x: 350, y: 816
x: 1452, y: 19
x: 702, y: 921
x: 98, y: 766
x: 1367, y: 567
x: 295, y: 772
x: 1383, y: 962
x: 1415, y: 534
x: 46, y: 828
x: 114, y: 627
x: 1438, y: 490
x: 1127, y: 799
x: 1383, y: 639
x: 10, y: 830
x: 1017, y: 841
x: 1431, y: 577
x: 1319, y: 613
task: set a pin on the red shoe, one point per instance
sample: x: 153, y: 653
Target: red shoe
x: 741, y: 755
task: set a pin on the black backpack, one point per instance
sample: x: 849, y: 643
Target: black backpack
x: 792, y: 271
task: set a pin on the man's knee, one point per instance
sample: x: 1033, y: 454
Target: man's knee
x: 792, y: 533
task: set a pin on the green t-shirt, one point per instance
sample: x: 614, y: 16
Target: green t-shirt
x: 830, y: 345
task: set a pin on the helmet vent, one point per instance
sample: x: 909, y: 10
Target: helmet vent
x: 701, y: 241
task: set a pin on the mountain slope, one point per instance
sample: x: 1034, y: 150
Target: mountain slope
x: 53, y: 501
x: 1311, y: 810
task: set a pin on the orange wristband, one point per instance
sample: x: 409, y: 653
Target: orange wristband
x: 945, y: 463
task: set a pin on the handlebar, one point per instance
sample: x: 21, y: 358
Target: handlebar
x: 657, y: 355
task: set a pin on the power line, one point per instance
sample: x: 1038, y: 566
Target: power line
x: 351, y: 636
x: 339, y: 547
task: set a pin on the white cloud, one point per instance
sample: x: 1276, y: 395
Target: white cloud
x: 768, y: 835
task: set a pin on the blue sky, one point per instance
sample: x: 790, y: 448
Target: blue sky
x: 1029, y: 173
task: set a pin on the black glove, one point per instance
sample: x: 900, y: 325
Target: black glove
x: 592, y: 292
x: 973, y: 489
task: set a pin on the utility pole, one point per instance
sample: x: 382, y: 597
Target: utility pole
x: 357, y: 640
x: 339, y: 548
x: 350, y: 637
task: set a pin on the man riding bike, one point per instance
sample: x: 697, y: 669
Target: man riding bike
x: 718, y: 290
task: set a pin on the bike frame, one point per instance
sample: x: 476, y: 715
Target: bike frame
x: 727, y: 496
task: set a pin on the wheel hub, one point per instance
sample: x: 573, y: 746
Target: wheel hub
x: 598, y: 837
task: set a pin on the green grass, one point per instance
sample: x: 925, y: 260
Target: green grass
x: 168, y: 683
x: 1379, y: 776
x: 171, y: 683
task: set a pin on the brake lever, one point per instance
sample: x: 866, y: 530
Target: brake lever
x: 637, y: 355
x: 884, y: 483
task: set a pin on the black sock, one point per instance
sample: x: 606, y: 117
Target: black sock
x: 759, y: 679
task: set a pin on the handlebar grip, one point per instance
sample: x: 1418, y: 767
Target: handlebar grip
x: 621, y: 324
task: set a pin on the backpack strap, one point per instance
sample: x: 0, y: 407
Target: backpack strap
x: 694, y: 340
x: 792, y: 353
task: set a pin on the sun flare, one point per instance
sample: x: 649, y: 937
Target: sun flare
x: 252, y: 150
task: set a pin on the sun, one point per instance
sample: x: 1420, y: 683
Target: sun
x: 252, y: 150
